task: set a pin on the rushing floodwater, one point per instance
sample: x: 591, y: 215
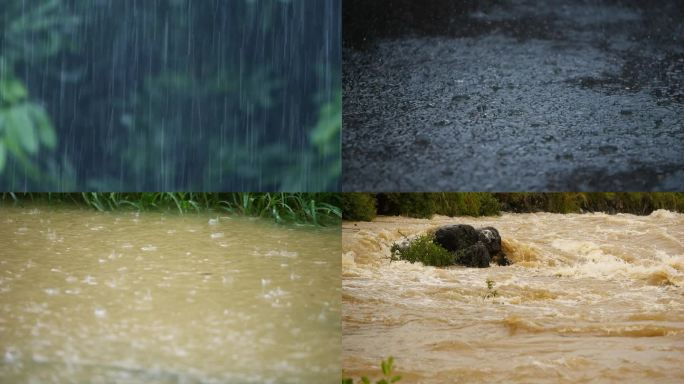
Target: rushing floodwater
x: 163, y: 298
x: 590, y: 298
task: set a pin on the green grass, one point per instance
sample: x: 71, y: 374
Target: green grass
x: 423, y: 249
x: 309, y: 208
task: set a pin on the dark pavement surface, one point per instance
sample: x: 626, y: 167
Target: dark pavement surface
x: 513, y: 95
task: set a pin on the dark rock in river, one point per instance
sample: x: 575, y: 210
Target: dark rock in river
x: 456, y: 237
x: 476, y: 255
x: 490, y: 237
x: 472, y: 247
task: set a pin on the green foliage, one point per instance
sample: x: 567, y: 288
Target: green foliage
x: 358, y: 206
x: 12, y: 91
x: 491, y: 291
x: 420, y: 205
x: 446, y: 203
x: 424, y: 250
x: 521, y: 201
x: 36, y: 32
x: 317, y: 209
x: 326, y: 134
x: 638, y: 203
x: 467, y: 204
x: 25, y: 127
x: 665, y: 200
x: 29, y: 34
x: 158, y: 99
x: 566, y: 202
x: 489, y: 205
x: 327, y: 145
x: 424, y: 205
x: 321, y: 166
x: 305, y: 208
x: 388, y: 375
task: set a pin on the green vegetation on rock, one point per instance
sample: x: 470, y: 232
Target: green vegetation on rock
x: 424, y: 250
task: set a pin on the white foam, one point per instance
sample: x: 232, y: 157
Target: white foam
x: 665, y: 214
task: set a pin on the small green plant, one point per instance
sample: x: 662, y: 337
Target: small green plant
x: 422, y: 249
x: 491, y: 291
x: 388, y: 376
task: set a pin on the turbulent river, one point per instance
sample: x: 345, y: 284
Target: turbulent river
x: 124, y: 297
x: 589, y: 298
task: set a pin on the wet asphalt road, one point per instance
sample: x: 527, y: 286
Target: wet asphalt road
x: 513, y: 96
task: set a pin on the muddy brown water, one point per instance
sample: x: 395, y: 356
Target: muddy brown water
x: 124, y: 297
x: 589, y: 298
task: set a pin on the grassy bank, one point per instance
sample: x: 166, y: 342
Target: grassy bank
x: 365, y: 206
x: 310, y: 208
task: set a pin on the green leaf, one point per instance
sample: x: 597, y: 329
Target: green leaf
x: 365, y: 380
x: 383, y: 381
x: 385, y: 368
x: 395, y: 379
x: 19, y: 124
x: 12, y: 90
x: 3, y: 157
x: 347, y: 381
